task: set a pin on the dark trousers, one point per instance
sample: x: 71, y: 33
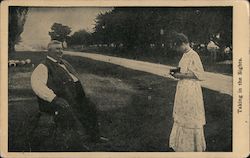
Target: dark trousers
x: 48, y: 134
x: 81, y: 110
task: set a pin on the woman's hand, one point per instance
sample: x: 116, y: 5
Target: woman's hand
x: 189, y: 75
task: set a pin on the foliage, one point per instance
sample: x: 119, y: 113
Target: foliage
x: 59, y: 32
x: 17, y: 18
x: 81, y: 37
x: 138, y: 27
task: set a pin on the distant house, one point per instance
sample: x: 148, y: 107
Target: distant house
x: 213, y: 49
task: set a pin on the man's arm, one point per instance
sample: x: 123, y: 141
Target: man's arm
x: 39, y: 79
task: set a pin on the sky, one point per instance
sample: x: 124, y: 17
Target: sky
x: 39, y: 21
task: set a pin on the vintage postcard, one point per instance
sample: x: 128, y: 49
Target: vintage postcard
x: 123, y: 78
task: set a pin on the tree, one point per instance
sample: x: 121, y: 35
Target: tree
x: 81, y: 37
x: 59, y: 32
x: 138, y: 27
x: 17, y: 18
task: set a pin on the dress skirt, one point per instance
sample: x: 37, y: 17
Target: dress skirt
x: 187, y: 133
x: 184, y: 139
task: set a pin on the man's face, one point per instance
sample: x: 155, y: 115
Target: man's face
x: 56, y: 51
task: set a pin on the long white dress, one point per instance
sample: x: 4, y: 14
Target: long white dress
x: 189, y: 115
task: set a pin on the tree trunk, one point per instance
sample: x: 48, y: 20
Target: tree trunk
x: 11, y: 48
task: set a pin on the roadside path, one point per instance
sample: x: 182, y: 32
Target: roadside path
x: 214, y: 81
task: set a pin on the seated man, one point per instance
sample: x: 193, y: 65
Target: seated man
x: 60, y: 93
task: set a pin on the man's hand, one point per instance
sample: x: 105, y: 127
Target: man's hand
x: 60, y: 102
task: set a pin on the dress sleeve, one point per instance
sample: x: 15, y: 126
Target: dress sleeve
x: 39, y: 79
x: 196, y: 67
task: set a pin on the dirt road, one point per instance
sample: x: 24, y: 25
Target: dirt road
x: 214, y: 81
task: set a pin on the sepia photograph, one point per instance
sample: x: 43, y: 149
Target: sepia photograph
x: 114, y: 78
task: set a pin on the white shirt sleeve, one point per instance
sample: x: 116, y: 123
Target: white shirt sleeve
x: 39, y: 80
x: 196, y: 67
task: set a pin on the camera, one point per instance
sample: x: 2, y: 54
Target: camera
x: 175, y: 70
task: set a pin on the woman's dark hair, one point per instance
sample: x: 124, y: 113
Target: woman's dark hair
x: 179, y: 38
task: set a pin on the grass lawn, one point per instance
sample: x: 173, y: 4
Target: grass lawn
x: 135, y: 108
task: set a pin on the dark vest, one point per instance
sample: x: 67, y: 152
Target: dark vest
x: 62, y: 84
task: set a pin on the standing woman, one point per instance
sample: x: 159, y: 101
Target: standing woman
x: 188, y: 113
